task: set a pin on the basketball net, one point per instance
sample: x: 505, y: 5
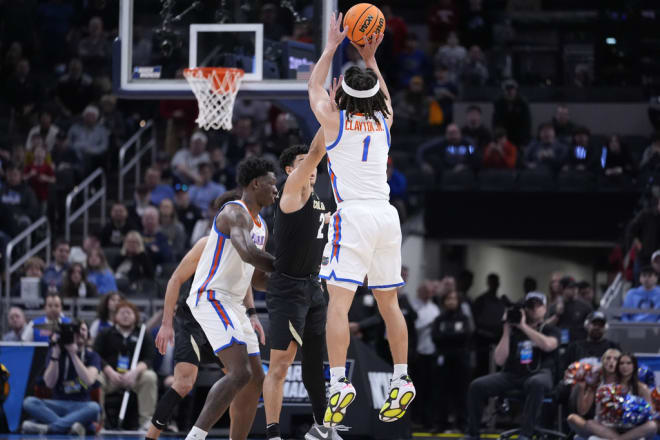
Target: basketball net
x: 215, y: 89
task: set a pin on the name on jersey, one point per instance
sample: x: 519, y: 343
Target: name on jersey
x: 352, y: 125
x: 258, y: 239
x: 319, y: 205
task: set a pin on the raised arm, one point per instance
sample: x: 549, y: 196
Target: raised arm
x: 290, y: 198
x: 368, y: 53
x: 183, y: 271
x: 319, y: 99
x: 239, y: 224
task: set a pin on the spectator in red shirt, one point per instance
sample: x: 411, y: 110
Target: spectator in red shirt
x: 40, y: 174
x: 500, y: 152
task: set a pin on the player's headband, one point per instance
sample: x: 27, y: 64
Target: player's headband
x: 360, y: 93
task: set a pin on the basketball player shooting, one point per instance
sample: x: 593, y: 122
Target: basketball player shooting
x: 364, y: 240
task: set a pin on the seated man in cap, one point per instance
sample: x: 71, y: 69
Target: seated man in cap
x: 594, y: 346
x: 569, y: 313
x: 527, y: 353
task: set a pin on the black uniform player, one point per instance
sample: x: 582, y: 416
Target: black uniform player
x: 296, y: 304
x: 191, y: 348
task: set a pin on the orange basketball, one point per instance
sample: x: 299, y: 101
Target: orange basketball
x: 363, y: 20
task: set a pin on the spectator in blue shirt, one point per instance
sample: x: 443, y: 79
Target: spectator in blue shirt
x: 99, y: 272
x: 398, y: 189
x: 70, y: 373
x: 158, y: 191
x: 646, y: 296
x: 54, y: 273
x: 202, y: 194
x: 412, y: 62
x: 52, y: 314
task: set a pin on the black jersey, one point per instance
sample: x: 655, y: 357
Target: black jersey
x: 299, y: 238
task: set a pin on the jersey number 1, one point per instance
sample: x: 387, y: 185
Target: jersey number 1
x: 365, y: 149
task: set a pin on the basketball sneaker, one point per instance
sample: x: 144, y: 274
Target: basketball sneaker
x: 320, y: 432
x: 402, y: 392
x: 341, y: 394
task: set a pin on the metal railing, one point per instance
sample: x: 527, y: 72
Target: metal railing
x: 84, y: 188
x: 11, y: 267
x: 125, y: 165
x: 613, y: 292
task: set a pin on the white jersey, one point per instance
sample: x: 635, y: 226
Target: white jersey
x: 221, y: 272
x: 357, y: 159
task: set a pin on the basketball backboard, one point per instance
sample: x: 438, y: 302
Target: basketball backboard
x: 276, y: 43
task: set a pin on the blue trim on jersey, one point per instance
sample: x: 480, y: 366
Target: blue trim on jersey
x: 232, y: 342
x: 387, y: 285
x: 336, y: 241
x: 214, y: 266
x: 226, y: 320
x: 341, y: 131
x: 347, y: 280
x: 333, y: 180
x: 387, y: 130
x: 215, y: 225
x: 255, y: 354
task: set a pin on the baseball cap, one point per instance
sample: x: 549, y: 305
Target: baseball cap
x: 539, y: 296
x: 567, y: 282
x: 597, y: 316
x: 655, y: 254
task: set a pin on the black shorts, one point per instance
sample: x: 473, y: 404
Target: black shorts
x: 296, y: 308
x: 190, y: 343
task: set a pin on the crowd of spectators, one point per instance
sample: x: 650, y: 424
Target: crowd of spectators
x: 561, y: 151
x: 455, y: 338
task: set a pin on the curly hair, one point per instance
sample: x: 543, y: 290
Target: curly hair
x: 251, y: 168
x: 289, y: 155
x: 361, y: 79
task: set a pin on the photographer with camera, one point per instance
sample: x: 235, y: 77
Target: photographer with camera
x: 527, y: 354
x: 36, y: 330
x: 71, y: 371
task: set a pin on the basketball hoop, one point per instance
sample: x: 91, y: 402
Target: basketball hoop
x: 215, y: 89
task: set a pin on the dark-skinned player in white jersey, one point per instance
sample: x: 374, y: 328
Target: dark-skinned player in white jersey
x: 234, y: 249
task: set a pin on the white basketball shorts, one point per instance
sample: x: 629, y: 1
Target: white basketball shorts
x: 224, y: 322
x: 364, y: 239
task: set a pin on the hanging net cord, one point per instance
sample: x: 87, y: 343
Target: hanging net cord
x: 215, y: 90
